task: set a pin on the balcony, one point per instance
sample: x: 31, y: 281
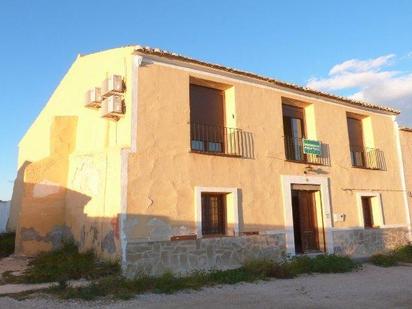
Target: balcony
x: 369, y: 158
x: 219, y: 140
x: 294, y: 151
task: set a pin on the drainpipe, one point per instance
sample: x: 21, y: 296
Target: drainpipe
x: 125, y: 152
x: 403, y: 180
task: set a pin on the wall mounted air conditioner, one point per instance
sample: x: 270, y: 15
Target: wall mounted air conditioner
x: 112, y: 107
x: 112, y: 85
x: 93, y: 98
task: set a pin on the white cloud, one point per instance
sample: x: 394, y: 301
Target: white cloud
x: 356, y: 65
x: 371, y: 80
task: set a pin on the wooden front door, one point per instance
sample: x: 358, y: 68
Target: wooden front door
x: 305, y: 224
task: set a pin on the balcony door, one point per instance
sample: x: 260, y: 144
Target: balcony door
x: 356, y: 145
x: 207, y: 119
x: 294, y: 132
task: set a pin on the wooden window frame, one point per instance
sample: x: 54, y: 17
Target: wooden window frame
x: 377, y: 213
x: 367, y: 212
x: 208, y: 228
x: 232, y: 208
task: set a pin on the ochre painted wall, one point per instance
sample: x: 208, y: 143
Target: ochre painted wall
x: 163, y: 173
x: 68, y: 182
x: 406, y: 146
x: 69, y: 177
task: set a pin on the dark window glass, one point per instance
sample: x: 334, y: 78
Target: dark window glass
x: 367, y: 212
x: 294, y: 131
x: 356, y: 142
x: 213, y: 214
x: 207, y: 119
x: 206, y: 105
x: 355, y: 132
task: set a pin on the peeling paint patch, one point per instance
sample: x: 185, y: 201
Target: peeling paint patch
x: 58, y: 235
x: 87, y: 177
x: 108, y: 243
x: 46, y: 188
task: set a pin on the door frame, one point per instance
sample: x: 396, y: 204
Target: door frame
x: 323, y: 183
x: 315, y: 212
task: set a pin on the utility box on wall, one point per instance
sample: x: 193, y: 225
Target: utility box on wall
x: 112, y: 107
x: 112, y: 85
x: 93, y: 98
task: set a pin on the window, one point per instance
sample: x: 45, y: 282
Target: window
x: 216, y: 211
x: 370, y: 209
x: 294, y: 132
x: 356, y: 145
x: 213, y: 214
x: 367, y: 212
x: 207, y: 119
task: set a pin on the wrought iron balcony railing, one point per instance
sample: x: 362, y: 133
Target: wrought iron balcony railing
x: 220, y: 140
x: 370, y: 158
x: 294, y: 152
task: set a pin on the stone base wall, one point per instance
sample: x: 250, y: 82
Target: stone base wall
x: 366, y: 242
x: 185, y: 256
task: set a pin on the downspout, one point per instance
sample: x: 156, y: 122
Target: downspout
x: 403, y: 180
x: 125, y: 152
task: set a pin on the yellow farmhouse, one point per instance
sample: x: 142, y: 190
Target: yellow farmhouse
x: 171, y: 163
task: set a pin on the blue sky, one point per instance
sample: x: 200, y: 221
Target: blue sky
x: 355, y: 48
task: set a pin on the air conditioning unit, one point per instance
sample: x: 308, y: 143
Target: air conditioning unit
x: 93, y: 98
x: 112, y: 85
x: 112, y: 107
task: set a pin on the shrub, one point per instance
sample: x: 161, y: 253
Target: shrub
x: 65, y: 264
x: 259, y: 268
x: 7, y: 244
x: 383, y: 260
x: 332, y: 264
x: 403, y: 254
x: 117, y: 286
x: 301, y: 265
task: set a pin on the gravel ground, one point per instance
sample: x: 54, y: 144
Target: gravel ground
x: 372, y: 287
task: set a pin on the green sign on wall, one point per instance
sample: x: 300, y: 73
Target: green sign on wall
x: 312, y: 147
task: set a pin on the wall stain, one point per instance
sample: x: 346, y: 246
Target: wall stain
x: 57, y: 236
x: 108, y: 244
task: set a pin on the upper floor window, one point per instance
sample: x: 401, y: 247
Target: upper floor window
x: 206, y: 105
x: 362, y: 152
x: 212, y: 121
x: 294, y: 131
x: 356, y: 145
x: 206, y: 117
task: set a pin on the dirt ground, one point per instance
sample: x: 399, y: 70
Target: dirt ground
x: 371, y: 287
x: 13, y: 263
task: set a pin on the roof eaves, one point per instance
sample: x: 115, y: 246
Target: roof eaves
x: 174, y: 56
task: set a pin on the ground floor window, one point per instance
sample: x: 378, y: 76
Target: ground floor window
x: 213, y: 214
x: 367, y: 212
x: 370, y: 210
x: 216, y: 211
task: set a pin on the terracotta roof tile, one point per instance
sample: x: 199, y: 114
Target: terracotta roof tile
x: 174, y: 56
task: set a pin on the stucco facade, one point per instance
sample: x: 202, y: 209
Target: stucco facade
x: 129, y: 188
